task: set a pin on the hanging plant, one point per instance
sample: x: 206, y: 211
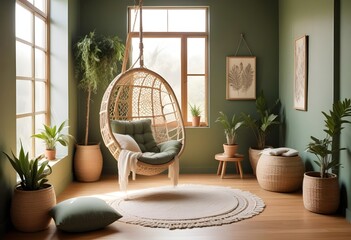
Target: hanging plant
x: 97, y: 59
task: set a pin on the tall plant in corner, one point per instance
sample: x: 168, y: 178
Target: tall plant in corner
x: 325, y: 149
x: 321, y: 193
x: 97, y: 59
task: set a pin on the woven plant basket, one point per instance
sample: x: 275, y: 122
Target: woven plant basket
x: 280, y: 174
x: 254, y: 156
x: 321, y: 195
x: 30, y: 209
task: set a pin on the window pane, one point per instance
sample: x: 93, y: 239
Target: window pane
x: 24, y: 133
x: 40, y: 33
x: 196, y: 94
x: 154, y: 20
x: 23, y: 96
x: 39, y: 144
x: 196, y: 56
x: 39, y: 96
x: 41, y: 4
x: 23, y: 60
x: 39, y: 64
x: 162, y: 55
x: 187, y: 20
x: 24, y: 26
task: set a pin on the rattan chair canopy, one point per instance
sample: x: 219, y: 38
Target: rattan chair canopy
x: 136, y: 94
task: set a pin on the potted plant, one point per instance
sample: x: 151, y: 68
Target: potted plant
x: 321, y: 193
x: 196, y: 114
x: 231, y: 128
x: 260, y: 127
x: 51, y: 136
x: 96, y: 63
x: 33, y: 196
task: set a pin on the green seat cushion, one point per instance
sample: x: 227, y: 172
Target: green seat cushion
x: 168, y: 150
x: 83, y: 214
x: 139, y: 130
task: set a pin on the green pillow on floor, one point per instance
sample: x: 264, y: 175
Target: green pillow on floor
x: 83, y: 214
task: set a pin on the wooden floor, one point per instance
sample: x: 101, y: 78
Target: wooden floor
x: 283, y: 218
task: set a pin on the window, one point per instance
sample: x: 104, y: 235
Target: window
x: 32, y: 83
x: 175, y: 44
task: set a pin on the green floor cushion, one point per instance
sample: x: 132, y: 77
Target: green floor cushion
x: 140, y: 130
x: 83, y: 214
x: 168, y: 150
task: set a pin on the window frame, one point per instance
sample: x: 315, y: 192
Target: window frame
x: 45, y: 17
x: 183, y: 36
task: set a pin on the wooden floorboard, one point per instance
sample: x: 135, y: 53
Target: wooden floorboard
x: 283, y: 218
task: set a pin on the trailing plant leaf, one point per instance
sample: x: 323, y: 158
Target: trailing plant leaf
x: 97, y: 61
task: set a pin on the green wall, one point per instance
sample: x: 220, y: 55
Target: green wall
x: 328, y: 74
x: 257, y: 19
x: 8, y: 110
x: 345, y: 86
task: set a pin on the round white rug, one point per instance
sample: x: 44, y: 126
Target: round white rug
x: 187, y: 206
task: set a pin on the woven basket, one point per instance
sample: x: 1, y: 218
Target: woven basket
x: 30, y: 209
x: 280, y: 174
x: 321, y: 195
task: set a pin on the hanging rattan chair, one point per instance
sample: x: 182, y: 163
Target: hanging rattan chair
x: 138, y: 94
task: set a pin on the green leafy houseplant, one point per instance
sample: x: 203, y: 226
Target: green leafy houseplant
x: 230, y: 126
x: 96, y: 63
x: 325, y: 149
x: 33, y: 197
x: 32, y: 172
x: 195, y: 110
x: 53, y: 135
x: 261, y: 126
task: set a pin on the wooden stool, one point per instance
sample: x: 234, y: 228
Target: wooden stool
x: 223, y: 163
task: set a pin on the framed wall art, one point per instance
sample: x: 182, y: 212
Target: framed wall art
x: 241, y: 78
x: 300, y: 73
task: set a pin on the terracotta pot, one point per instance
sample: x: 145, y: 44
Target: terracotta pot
x: 196, y: 121
x: 30, y: 209
x: 230, y: 150
x: 50, y: 154
x: 321, y: 195
x: 88, y: 162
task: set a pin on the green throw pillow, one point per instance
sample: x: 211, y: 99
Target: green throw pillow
x: 139, y: 130
x: 83, y: 214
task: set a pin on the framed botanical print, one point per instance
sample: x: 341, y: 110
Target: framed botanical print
x: 241, y: 78
x: 300, y: 73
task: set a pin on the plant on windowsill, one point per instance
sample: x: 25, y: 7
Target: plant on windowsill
x: 231, y: 128
x: 33, y: 196
x: 196, y: 114
x: 260, y: 127
x: 321, y: 193
x: 96, y: 63
x: 51, y: 136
